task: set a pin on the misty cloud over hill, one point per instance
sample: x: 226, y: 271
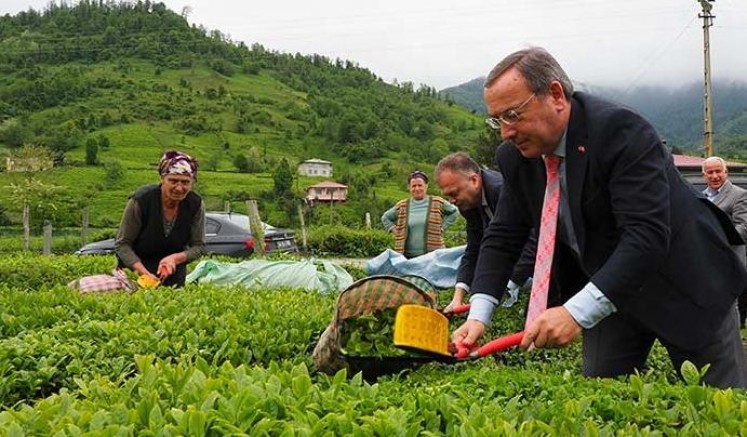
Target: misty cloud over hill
x: 677, y: 113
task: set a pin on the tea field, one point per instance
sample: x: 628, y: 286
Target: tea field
x: 210, y: 360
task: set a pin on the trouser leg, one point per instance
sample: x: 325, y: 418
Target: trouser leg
x: 615, y: 346
x: 725, y: 356
x: 742, y: 303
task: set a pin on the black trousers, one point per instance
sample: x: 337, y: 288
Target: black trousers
x: 742, y: 304
x: 619, y: 345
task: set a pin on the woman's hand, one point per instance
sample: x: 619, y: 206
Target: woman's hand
x: 140, y: 269
x: 167, y: 266
x: 165, y: 270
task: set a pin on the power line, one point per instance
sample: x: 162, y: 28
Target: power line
x: 653, y: 56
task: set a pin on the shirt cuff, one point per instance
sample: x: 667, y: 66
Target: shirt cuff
x: 463, y: 286
x: 512, y: 285
x: 589, y: 306
x: 481, y: 308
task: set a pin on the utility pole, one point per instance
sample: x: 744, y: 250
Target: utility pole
x: 708, y: 94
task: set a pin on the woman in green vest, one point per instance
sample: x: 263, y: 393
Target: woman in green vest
x: 418, y: 222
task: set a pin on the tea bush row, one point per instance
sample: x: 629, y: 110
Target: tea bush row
x: 199, y: 398
x: 210, y: 360
x: 50, y: 337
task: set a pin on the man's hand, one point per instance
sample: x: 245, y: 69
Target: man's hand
x: 455, y: 301
x: 468, y: 333
x: 553, y: 328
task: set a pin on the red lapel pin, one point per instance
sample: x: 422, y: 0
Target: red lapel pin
x: 581, y: 149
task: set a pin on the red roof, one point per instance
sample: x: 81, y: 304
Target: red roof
x: 688, y: 161
x: 681, y: 161
x: 328, y: 184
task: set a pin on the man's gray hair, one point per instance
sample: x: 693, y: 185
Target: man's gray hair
x: 537, y: 66
x: 711, y: 160
x: 458, y: 162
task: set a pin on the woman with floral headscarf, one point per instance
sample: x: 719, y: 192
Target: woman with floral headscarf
x: 418, y: 222
x: 163, y: 226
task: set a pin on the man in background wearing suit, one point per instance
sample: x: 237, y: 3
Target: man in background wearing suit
x: 733, y: 201
x: 638, y: 254
x: 476, y: 192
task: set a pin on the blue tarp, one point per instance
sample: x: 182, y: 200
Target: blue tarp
x: 438, y: 267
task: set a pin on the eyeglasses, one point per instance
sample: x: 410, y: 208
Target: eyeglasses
x: 509, y: 116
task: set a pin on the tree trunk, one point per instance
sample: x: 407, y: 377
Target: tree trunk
x: 255, y: 225
x: 84, y: 226
x: 47, y: 247
x: 303, y: 227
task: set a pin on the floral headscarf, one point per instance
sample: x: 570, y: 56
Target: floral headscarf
x: 417, y: 174
x: 175, y: 162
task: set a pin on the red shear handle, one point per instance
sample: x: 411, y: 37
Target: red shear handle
x: 461, y: 351
x: 499, y: 344
x: 459, y: 309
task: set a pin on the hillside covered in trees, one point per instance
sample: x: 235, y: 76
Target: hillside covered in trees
x: 111, y: 85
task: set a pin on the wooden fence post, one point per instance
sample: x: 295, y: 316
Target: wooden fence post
x: 226, y: 206
x: 84, y: 226
x: 26, y: 226
x: 303, y: 227
x: 255, y: 225
x: 368, y: 220
x: 47, y: 248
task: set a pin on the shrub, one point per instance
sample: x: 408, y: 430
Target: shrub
x: 241, y: 163
x: 114, y: 171
x: 33, y: 272
x: 344, y: 241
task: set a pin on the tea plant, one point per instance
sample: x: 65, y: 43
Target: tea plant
x: 208, y: 360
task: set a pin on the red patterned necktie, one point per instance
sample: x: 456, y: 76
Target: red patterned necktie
x: 546, y: 243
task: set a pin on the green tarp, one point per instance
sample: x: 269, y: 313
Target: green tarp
x: 311, y: 274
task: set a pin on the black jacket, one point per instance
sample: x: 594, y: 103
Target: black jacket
x: 657, y: 248
x: 478, y: 221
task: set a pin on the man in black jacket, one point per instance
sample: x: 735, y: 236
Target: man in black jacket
x: 476, y: 192
x: 639, y: 254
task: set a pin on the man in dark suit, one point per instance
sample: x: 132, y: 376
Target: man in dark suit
x: 476, y: 192
x: 639, y: 254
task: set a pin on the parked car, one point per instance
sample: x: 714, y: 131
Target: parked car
x: 226, y: 233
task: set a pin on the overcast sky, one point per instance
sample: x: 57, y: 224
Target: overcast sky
x: 444, y: 43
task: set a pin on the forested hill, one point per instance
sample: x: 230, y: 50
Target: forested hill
x: 676, y: 113
x: 468, y: 94
x: 72, y: 73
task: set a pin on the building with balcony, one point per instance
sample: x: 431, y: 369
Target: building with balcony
x: 315, y: 167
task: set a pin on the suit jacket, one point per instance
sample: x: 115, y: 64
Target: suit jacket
x: 478, y: 221
x: 655, y: 246
x: 733, y: 201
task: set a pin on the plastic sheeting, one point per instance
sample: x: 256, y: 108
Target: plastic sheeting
x: 438, y: 267
x: 274, y: 274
